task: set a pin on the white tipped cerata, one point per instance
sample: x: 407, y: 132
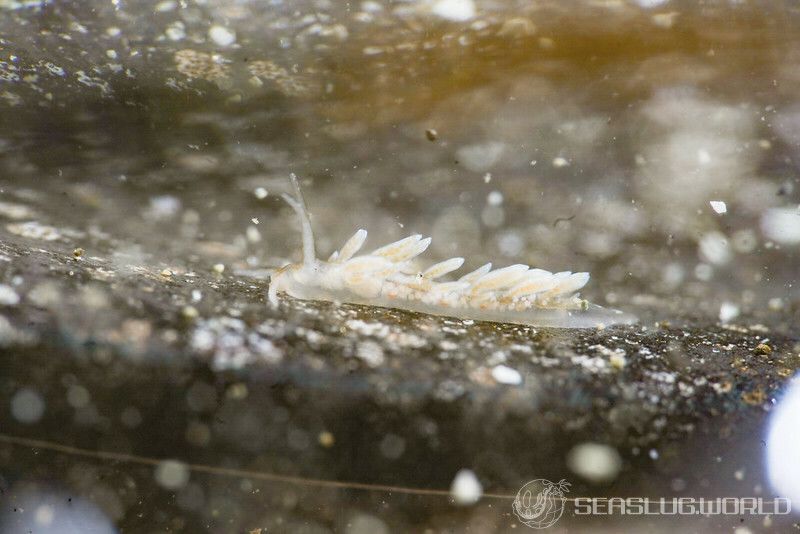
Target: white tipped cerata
x: 386, y: 277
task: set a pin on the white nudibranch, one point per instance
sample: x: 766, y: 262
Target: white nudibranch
x: 385, y: 277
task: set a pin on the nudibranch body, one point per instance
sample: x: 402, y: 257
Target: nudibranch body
x: 386, y: 277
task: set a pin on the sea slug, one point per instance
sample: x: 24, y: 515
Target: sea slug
x: 386, y: 277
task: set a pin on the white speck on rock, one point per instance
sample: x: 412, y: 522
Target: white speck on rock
x: 506, y: 375
x: 466, y: 489
x: 221, y: 35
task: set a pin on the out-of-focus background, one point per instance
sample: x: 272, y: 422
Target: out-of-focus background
x: 143, y: 146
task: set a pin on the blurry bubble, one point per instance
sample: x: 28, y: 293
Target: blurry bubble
x: 172, y: 474
x: 466, y: 489
x: 191, y: 497
x: 393, y: 446
x: 480, y: 157
x: 253, y: 235
x: 298, y: 439
x: 455, y: 10
x: 44, y: 515
x: 647, y: 4
x: 201, y: 397
x: 78, y: 396
x: 493, y: 216
x: 744, y: 241
x: 783, y: 442
x: 366, y: 524
x: 455, y: 230
x: 728, y: 311
x: 714, y: 248
x: 8, y: 297
x: 782, y: 225
x: 27, y: 406
x: 163, y: 207
x: 371, y: 353
x: 703, y: 272
x: 510, y: 244
x: 595, y: 462
x: 198, y: 434
x: 43, y: 511
x: 673, y: 275
x: 495, y: 198
x: 506, y: 375
x: 131, y: 417
x: 599, y: 244
x: 221, y: 35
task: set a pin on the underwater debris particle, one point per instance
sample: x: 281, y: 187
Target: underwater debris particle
x: 719, y: 206
x: 466, y: 489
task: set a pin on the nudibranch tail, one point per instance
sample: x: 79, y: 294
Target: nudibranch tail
x: 387, y: 277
